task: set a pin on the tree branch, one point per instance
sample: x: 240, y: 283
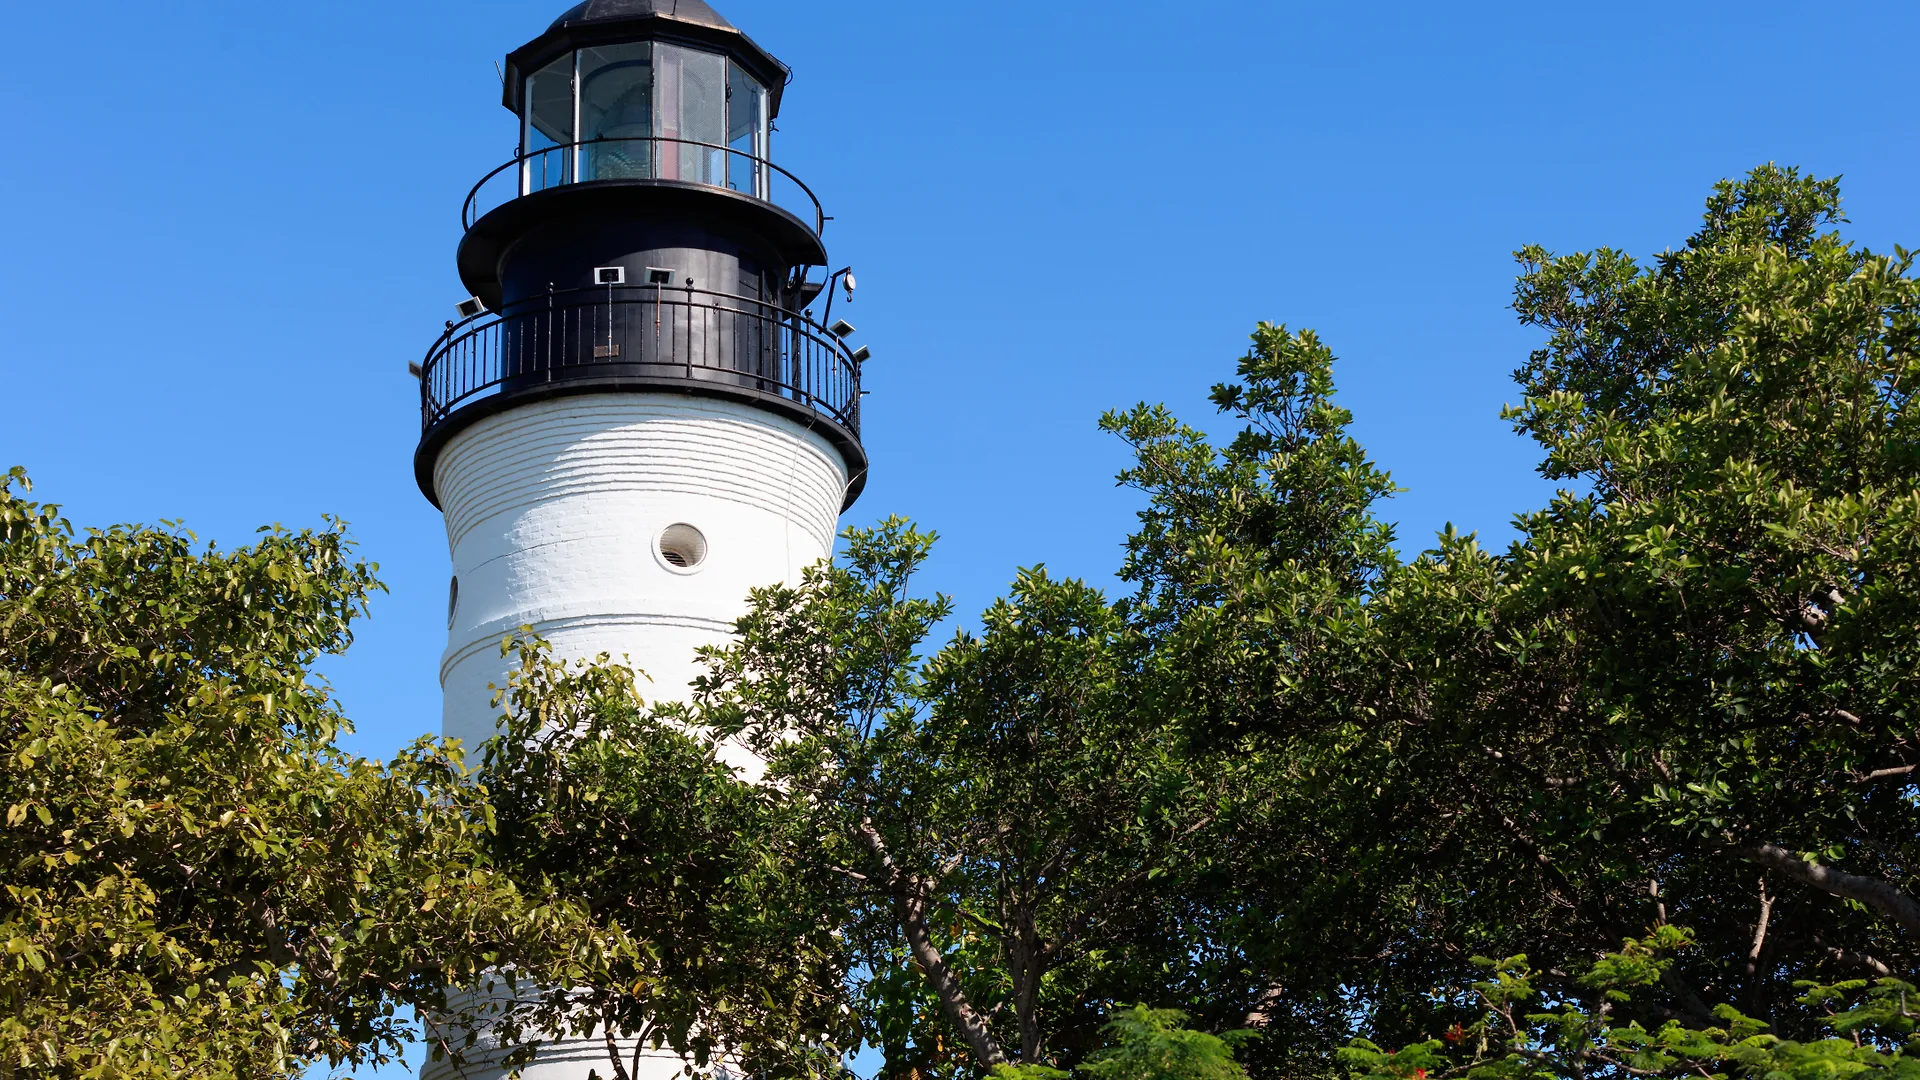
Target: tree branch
x: 613, y: 1045
x: 1848, y: 958
x: 1760, y: 929
x: 1873, y: 892
x: 910, y: 906
x: 1759, y: 947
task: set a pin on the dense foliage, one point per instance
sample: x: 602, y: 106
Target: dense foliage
x: 197, y: 882
x: 1867, y: 1028
x: 1634, y: 796
x: 1297, y: 783
x: 999, y: 814
x: 719, y: 947
x: 1679, y: 698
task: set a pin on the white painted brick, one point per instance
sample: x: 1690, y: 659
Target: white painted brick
x: 553, y: 511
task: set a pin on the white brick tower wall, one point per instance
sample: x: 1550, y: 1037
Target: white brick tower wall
x: 554, y: 514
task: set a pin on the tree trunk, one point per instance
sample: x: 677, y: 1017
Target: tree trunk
x: 1026, y: 981
x: 910, y: 908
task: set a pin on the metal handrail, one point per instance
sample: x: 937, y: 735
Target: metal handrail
x: 650, y: 332
x: 571, y: 170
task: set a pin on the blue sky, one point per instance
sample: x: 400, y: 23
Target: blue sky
x: 233, y: 225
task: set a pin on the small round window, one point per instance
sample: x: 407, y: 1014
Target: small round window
x: 682, y: 546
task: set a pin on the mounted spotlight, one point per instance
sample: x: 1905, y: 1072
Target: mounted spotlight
x: 413, y: 369
x: 470, y: 307
x: 862, y: 354
x: 609, y: 275
x: 659, y: 275
x: 841, y: 328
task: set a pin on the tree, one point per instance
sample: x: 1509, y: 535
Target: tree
x: 1696, y: 673
x: 721, y: 949
x: 935, y: 858
x: 984, y: 829
x: 1150, y: 1044
x: 1869, y: 1028
x: 1256, y: 566
x: 197, y: 881
x: 1682, y: 696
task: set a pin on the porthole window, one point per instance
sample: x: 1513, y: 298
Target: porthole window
x: 682, y: 547
x: 453, y: 599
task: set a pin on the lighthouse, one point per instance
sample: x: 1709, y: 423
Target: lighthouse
x: 637, y: 417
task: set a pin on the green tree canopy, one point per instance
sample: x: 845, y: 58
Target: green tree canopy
x: 721, y: 947
x: 998, y: 814
x: 197, y: 881
x: 1681, y: 696
x: 1658, y: 753
x: 1298, y: 783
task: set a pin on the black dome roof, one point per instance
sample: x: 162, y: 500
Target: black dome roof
x: 603, y: 22
x: 593, y: 11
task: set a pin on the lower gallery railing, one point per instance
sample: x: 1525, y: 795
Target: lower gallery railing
x: 650, y: 333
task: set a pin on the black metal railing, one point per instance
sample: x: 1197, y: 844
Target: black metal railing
x: 647, y: 158
x: 647, y: 334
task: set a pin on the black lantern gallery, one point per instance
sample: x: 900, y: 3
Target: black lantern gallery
x: 642, y: 238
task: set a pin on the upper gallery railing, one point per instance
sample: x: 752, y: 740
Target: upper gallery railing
x: 648, y: 158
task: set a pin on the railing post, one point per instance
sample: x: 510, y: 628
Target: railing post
x: 612, y: 352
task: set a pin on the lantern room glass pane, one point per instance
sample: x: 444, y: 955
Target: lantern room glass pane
x: 549, y: 125
x: 691, y: 95
x: 746, y: 132
x: 616, y: 112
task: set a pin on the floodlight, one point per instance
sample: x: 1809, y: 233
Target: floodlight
x: 470, y: 307
x: 609, y: 275
x: 841, y: 328
x: 862, y: 354
x: 659, y: 275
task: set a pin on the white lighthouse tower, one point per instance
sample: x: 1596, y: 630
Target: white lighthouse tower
x: 638, y: 419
